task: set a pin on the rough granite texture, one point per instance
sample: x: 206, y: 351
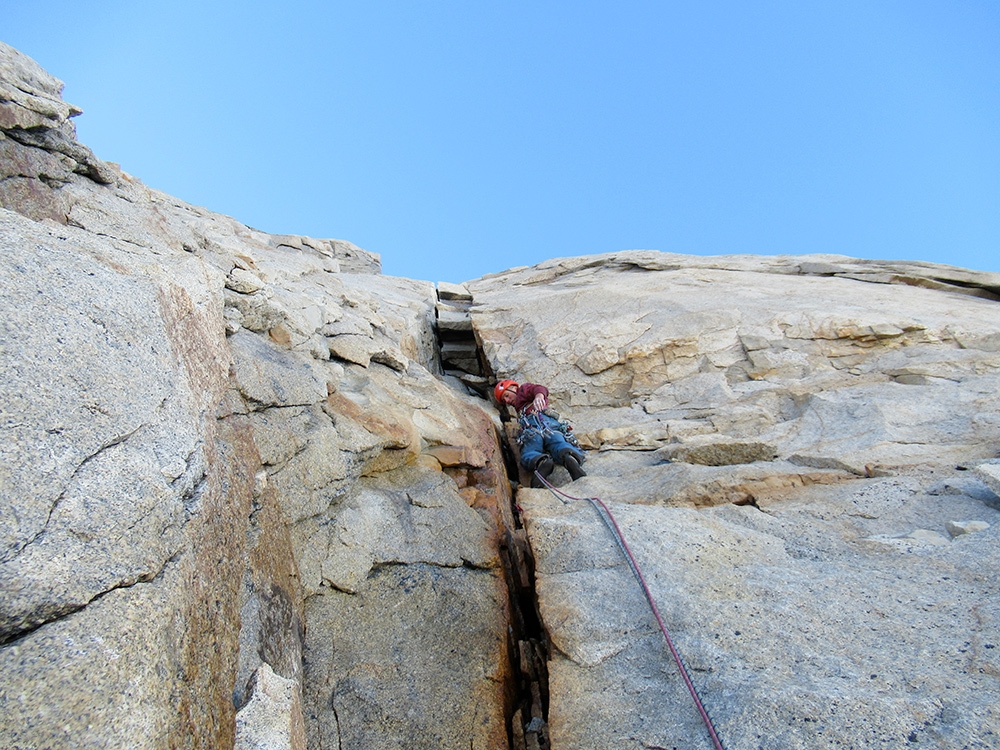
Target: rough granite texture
x: 242, y: 505
x: 189, y: 407
x: 785, y: 443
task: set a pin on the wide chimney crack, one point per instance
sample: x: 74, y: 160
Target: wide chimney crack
x: 463, y: 359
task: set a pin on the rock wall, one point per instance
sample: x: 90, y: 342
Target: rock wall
x: 231, y: 480
x: 787, y: 445
x: 247, y: 500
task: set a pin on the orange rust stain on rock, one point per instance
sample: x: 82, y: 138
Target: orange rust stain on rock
x: 197, y: 338
x: 213, y: 570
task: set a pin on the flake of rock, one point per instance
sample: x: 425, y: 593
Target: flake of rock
x: 457, y: 455
x: 272, y: 720
x: 958, y: 528
x: 390, y: 356
x: 454, y: 322
x: 449, y: 291
x: 599, y: 359
x: 244, y: 282
x: 257, y: 312
x: 989, y: 473
x: 351, y: 348
x: 720, y: 453
x: 929, y: 537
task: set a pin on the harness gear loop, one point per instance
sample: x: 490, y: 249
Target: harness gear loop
x: 530, y: 423
x: 609, y: 520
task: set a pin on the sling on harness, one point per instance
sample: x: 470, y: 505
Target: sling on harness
x: 546, y: 423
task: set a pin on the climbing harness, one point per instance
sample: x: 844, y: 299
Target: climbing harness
x: 534, y: 423
x: 609, y: 520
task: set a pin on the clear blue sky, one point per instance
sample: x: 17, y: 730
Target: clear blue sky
x: 462, y: 138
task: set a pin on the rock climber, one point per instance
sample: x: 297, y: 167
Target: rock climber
x: 542, y: 437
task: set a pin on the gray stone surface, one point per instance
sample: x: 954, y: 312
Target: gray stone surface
x: 113, y: 496
x: 800, y: 628
x: 415, y: 661
x: 178, y: 432
x: 272, y: 720
x: 101, y: 431
x: 95, y: 678
x: 784, y: 440
x: 411, y: 515
x: 232, y: 475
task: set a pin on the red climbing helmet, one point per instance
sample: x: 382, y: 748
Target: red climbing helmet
x: 503, y: 385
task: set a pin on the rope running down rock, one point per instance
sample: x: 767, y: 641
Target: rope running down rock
x: 605, y: 513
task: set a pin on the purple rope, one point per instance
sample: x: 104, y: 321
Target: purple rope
x: 609, y: 520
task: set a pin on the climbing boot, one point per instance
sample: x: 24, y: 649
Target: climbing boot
x: 572, y: 464
x: 544, y: 466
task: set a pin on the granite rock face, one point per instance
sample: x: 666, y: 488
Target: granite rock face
x: 250, y: 498
x: 220, y: 445
x: 784, y: 443
x: 837, y: 364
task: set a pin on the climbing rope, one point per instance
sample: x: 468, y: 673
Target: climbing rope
x: 605, y: 513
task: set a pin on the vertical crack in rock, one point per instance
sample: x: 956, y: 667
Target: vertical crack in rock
x: 336, y: 719
x: 463, y: 358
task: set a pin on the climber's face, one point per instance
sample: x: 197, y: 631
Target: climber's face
x: 509, y: 395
